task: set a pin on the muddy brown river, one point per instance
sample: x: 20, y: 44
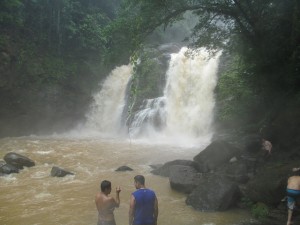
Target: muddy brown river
x: 33, y: 197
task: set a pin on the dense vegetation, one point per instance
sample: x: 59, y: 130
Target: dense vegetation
x: 53, y: 53
x: 50, y: 60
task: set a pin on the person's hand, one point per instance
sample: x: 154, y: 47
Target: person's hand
x: 296, y: 169
x: 118, y: 189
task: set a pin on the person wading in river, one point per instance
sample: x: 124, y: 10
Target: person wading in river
x: 293, y: 193
x: 106, y: 204
x: 143, y: 209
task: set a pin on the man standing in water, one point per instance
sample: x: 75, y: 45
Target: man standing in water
x: 143, y: 209
x: 293, y: 193
x: 106, y: 204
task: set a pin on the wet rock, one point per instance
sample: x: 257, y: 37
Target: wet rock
x: 8, y: 169
x: 183, y: 178
x: 165, y: 169
x: 156, y: 166
x: 237, y: 172
x: 18, y: 161
x: 124, y: 168
x: 59, y: 172
x: 252, y: 143
x: 214, y: 193
x: 269, y: 184
x: 2, y: 163
x: 216, y: 154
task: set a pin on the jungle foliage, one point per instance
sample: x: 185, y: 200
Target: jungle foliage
x: 50, y: 57
x: 261, y: 37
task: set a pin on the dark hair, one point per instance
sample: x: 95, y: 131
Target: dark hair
x: 105, y: 185
x: 139, y: 179
x: 296, y: 173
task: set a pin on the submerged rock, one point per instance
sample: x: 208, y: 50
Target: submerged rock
x: 124, y: 168
x: 59, y: 172
x: 156, y: 166
x: 8, y: 169
x: 18, y: 161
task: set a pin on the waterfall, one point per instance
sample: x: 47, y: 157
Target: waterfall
x: 184, y: 114
x: 186, y: 109
x: 106, y: 111
x: 189, y: 93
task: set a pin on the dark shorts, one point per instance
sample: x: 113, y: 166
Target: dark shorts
x: 145, y: 224
x: 292, y: 196
x: 104, y: 222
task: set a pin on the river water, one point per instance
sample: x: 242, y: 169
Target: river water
x: 33, y: 197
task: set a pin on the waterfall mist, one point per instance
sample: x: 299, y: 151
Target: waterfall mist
x: 182, y: 116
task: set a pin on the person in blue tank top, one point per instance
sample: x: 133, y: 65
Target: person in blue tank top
x: 143, y: 204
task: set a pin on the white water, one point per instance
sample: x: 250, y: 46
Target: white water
x: 106, y: 111
x: 182, y: 116
x: 185, y: 112
x: 190, y: 94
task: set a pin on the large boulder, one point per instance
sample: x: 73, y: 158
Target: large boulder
x: 214, y: 193
x: 269, y: 184
x: 165, y: 169
x: 236, y: 171
x: 216, y: 154
x: 59, y: 172
x: 18, y: 161
x: 183, y: 178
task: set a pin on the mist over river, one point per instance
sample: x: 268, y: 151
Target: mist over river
x: 33, y: 197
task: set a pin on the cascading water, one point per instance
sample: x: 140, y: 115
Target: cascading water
x: 185, y: 112
x: 106, y: 111
x: 189, y: 93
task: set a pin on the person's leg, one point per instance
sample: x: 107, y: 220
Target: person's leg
x: 290, y: 206
x: 289, y: 220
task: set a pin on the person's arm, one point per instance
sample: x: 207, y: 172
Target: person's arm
x: 117, y: 202
x: 97, y: 202
x: 155, y: 211
x: 131, y: 209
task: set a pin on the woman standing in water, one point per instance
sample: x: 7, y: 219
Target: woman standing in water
x: 106, y: 204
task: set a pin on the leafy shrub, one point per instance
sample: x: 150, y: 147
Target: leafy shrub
x: 259, y: 210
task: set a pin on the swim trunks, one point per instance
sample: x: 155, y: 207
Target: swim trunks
x: 106, y: 222
x: 292, y: 196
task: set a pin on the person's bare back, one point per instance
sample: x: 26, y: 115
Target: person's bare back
x: 294, y: 183
x: 105, y: 206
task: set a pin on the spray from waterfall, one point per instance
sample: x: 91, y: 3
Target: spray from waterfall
x: 185, y: 112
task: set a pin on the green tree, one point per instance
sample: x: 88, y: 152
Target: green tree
x: 263, y: 32
x: 264, y: 35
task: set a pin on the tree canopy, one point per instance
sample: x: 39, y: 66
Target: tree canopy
x: 261, y: 37
x: 265, y: 33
